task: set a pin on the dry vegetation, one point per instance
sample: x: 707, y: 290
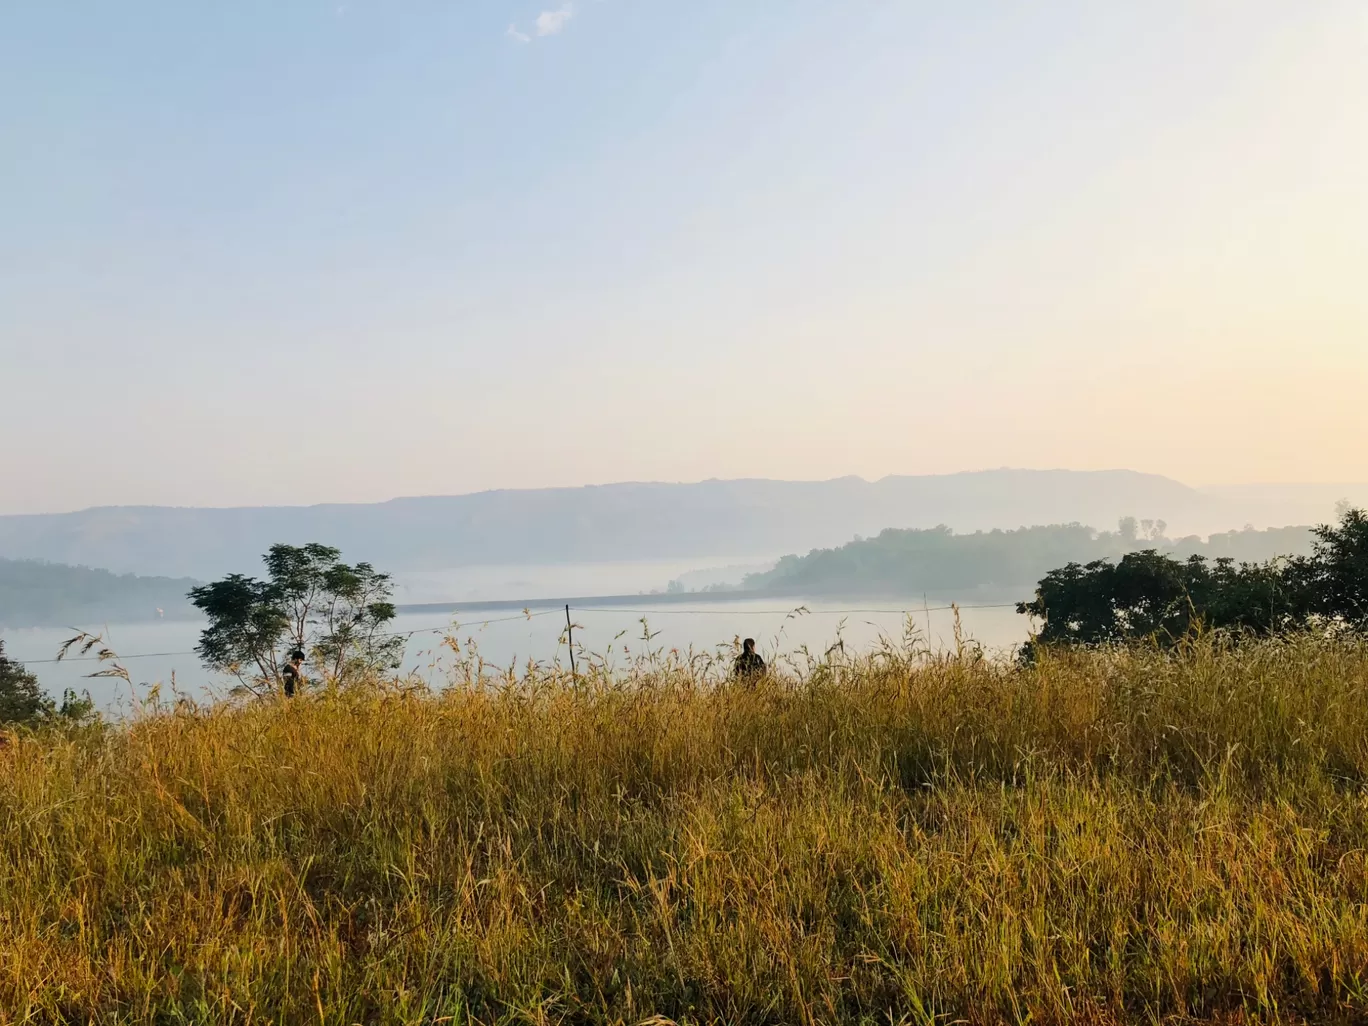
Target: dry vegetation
x: 1107, y: 837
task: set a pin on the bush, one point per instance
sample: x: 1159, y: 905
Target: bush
x: 22, y: 701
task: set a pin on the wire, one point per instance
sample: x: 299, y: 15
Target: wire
x: 96, y: 659
x: 457, y: 624
x: 392, y: 634
x: 795, y: 611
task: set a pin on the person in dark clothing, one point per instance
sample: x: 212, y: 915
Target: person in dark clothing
x: 749, y: 665
x: 291, y: 672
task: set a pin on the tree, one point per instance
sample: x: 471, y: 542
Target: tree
x: 22, y: 701
x: 1128, y: 529
x: 1333, y: 580
x: 310, y: 601
x: 1150, y: 595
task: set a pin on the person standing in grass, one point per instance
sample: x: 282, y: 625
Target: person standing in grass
x: 291, y: 672
x: 749, y: 665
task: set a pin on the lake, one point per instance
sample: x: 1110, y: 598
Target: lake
x: 154, y: 651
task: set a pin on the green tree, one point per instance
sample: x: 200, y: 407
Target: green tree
x: 1152, y: 595
x: 310, y: 601
x: 22, y: 701
x: 1333, y: 580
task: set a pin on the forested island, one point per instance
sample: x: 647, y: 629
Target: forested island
x: 1000, y: 562
x: 34, y: 593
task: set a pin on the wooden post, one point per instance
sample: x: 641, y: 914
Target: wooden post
x: 570, y: 639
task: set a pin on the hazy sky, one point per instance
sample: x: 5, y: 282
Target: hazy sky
x: 260, y: 252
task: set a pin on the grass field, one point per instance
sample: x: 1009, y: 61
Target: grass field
x: 1109, y: 837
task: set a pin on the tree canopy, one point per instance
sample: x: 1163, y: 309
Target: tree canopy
x: 21, y: 699
x: 1148, y: 594
x: 309, y: 601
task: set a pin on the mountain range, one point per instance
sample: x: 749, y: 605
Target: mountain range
x: 630, y: 521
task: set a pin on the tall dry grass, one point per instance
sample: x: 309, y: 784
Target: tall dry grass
x: 1105, y: 837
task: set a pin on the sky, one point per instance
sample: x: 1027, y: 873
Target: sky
x: 344, y: 250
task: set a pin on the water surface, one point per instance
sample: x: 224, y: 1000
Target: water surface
x: 161, y: 651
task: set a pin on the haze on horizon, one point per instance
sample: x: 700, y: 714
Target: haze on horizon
x: 347, y: 251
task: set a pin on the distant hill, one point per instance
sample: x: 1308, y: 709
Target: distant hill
x: 39, y: 594
x: 1000, y: 564
x: 746, y: 518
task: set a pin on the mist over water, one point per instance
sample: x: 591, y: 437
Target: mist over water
x: 506, y: 582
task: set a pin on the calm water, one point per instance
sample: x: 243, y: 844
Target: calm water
x: 154, y: 652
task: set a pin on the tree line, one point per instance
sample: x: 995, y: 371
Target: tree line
x: 1148, y: 594
x: 34, y: 593
x: 915, y: 561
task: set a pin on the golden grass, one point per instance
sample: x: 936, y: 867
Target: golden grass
x: 1107, y: 837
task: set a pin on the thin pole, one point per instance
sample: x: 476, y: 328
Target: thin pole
x: 570, y: 637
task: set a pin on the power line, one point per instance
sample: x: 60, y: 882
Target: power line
x: 392, y: 634
x: 797, y: 611
x: 96, y: 659
x: 473, y: 623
